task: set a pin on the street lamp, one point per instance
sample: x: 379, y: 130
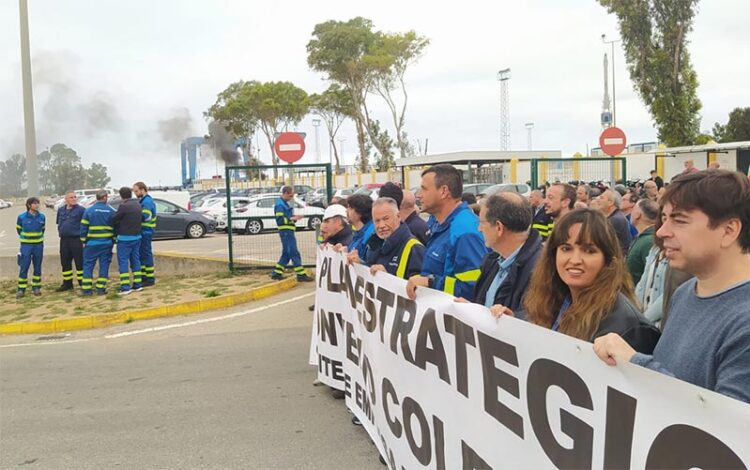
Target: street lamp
x: 529, y: 127
x: 341, y: 149
x: 32, y: 172
x: 316, y: 124
x: 614, y: 100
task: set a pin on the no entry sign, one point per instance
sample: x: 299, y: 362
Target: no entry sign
x: 612, y: 141
x: 289, y: 146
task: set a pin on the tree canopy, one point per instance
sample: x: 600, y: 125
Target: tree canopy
x: 654, y: 36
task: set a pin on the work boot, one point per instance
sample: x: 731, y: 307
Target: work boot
x: 276, y: 276
x: 356, y: 421
x: 37, y: 291
x: 124, y: 292
x: 311, y: 308
x: 20, y: 293
x: 305, y: 278
x: 337, y: 394
x: 66, y: 286
x: 86, y: 293
x: 101, y: 292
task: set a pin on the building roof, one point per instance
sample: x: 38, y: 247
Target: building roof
x: 480, y: 156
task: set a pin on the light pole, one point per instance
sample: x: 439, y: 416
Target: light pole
x: 32, y: 173
x: 341, y: 150
x: 316, y: 124
x: 503, y: 76
x: 529, y: 127
x: 614, y: 99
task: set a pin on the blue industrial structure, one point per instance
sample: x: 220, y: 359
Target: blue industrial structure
x: 189, y: 159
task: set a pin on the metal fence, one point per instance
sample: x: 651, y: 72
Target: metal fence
x: 607, y: 170
x: 252, y: 192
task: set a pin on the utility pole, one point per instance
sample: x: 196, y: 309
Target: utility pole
x: 614, y: 99
x: 529, y: 128
x: 316, y: 124
x: 32, y: 172
x: 503, y: 76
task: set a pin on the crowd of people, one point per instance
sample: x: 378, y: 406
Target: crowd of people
x: 657, y: 274
x: 87, y: 237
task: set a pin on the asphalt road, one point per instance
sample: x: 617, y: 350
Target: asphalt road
x: 230, y: 389
x: 264, y: 248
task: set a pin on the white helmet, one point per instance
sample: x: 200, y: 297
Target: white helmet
x: 334, y: 210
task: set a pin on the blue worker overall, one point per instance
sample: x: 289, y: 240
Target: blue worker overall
x: 30, y: 228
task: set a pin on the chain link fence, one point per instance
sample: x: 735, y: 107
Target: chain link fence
x: 252, y: 192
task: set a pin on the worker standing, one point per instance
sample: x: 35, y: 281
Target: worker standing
x: 71, y: 249
x: 97, y: 236
x: 285, y: 221
x: 30, y: 226
x: 127, y: 225
x: 148, y: 226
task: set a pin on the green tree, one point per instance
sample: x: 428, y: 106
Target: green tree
x: 738, y: 126
x: 272, y: 106
x: 718, y: 132
x: 334, y: 105
x: 13, y: 176
x: 383, y: 159
x: 654, y: 36
x: 338, y: 49
x: 96, y: 176
x: 66, y: 168
x: 391, y: 55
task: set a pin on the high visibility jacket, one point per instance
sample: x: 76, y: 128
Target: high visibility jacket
x: 96, y: 225
x: 542, y: 223
x: 148, y: 208
x: 283, y: 212
x: 401, y: 254
x: 30, y: 227
x: 454, y: 252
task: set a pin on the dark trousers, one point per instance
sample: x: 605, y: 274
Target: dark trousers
x: 71, y: 249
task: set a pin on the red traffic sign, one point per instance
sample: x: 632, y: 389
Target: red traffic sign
x: 612, y: 141
x: 289, y: 146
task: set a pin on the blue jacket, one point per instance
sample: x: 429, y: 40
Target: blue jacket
x: 30, y: 227
x: 69, y: 221
x: 401, y: 253
x: 284, y: 212
x: 96, y: 225
x: 148, y: 208
x: 360, y: 238
x: 454, y: 252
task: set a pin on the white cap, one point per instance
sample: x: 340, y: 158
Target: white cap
x: 333, y: 210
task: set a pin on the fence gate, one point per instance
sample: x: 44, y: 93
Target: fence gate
x: 564, y: 170
x: 252, y: 192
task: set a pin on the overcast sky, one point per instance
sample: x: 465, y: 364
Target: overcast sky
x: 107, y: 72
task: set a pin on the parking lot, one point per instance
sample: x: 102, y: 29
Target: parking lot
x: 264, y: 248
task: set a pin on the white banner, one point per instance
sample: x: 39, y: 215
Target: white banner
x: 440, y: 384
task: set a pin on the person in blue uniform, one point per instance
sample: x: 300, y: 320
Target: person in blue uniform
x: 97, y: 236
x: 30, y: 226
x: 148, y: 226
x: 285, y: 221
x: 71, y: 249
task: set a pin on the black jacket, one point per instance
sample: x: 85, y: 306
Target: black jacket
x: 344, y: 236
x: 127, y: 220
x: 628, y: 322
x: 622, y: 228
x: 513, y: 288
x: 418, y: 227
x: 388, y: 252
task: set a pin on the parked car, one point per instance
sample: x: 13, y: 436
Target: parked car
x: 258, y: 215
x: 522, y: 189
x: 172, y: 221
x: 5, y: 204
x: 50, y: 202
x: 476, y: 188
x: 180, y: 198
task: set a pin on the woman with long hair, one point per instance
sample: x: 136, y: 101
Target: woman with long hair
x: 581, y: 286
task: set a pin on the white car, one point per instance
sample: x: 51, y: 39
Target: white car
x: 258, y: 215
x: 216, y: 208
x: 5, y: 204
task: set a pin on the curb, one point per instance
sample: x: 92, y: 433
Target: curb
x: 184, y: 308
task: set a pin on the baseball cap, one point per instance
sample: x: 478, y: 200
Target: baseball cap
x: 334, y: 210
